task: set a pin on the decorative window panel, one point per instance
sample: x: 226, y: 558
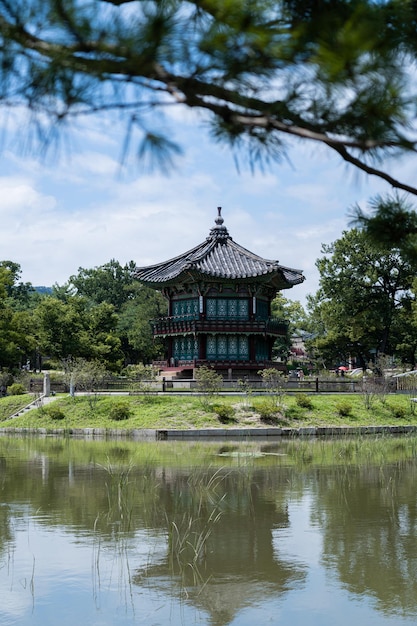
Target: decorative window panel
x: 227, y: 308
x: 243, y: 348
x: 243, y: 309
x: 185, y: 308
x: 211, y: 307
x: 222, y: 308
x: 222, y: 348
x: 211, y: 347
x: 232, y: 308
x: 227, y: 348
x: 233, y: 348
x: 185, y: 348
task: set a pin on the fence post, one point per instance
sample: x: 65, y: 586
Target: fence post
x: 317, y: 384
x: 46, y: 384
x: 163, y: 383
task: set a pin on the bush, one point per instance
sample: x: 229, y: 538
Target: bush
x: 344, y: 409
x: 119, y: 411
x: 268, y: 412
x: 304, y: 401
x: 224, y: 412
x: 208, y: 381
x: 399, y: 411
x: 54, y: 412
x: 17, y: 389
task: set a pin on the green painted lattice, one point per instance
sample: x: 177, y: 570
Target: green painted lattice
x: 185, y: 308
x: 227, y: 308
x: 185, y: 348
x: 227, y: 348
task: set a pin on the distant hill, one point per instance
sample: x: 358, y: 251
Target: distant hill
x: 43, y: 289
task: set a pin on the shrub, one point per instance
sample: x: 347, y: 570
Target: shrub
x: 17, y: 389
x: 54, y: 412
x: 304, y: 401
x: 120, y: 411
x: 399, y: 411
x: 208, y: 381
x: 268, y: 412
x: 224, y: 412
x: 344, y: 408
x: 274, y: 381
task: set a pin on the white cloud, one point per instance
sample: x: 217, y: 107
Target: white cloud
x: 19, y: 195
x: 83, y: 208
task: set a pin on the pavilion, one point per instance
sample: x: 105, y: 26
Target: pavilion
x: 219, y: 305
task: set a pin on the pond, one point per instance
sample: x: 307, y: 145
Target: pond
x: 103, y: 533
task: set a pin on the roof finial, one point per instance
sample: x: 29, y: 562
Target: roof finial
x: 219, y: 220
x: 219, y: 231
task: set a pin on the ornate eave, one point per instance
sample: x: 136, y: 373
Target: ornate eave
x: 219, y: 259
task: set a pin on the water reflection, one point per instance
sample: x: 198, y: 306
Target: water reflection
x: 368, y: 519
x: 172, y: 533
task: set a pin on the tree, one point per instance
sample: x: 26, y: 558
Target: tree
x: 111, y: 283
x: 391, y: 222
x: 335, y: 72
x: 17, y: 327
x: 85, y: 376
x: 363, y: 306
x: 105, y: 342
x: 134, y: 327
x: 73, y: 329
x: 20, y: 295
x: 296, y: 317
x: 208, y: 383
x: 133, y: 306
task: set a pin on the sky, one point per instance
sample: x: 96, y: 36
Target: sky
x: 78, y: 205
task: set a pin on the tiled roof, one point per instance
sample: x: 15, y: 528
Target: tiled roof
x: 219, y: 257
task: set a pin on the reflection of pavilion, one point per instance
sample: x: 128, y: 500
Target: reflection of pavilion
x: 239, y: 566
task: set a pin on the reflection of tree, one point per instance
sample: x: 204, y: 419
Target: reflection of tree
x: 369, y: 519
x: 237, y: 564
x: 5, y: 531
x: 231, y: 510
x: 368, y: 513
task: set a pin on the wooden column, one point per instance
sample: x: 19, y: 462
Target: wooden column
x: 202, y: 347
x: 252, y: 350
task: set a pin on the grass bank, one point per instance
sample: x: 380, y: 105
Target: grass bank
x: 194, y: 412
x: 11, y: 404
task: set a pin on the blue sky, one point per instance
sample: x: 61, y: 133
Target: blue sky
x: 79, y: 207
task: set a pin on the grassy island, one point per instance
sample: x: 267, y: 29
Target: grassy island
x: 192, y: 411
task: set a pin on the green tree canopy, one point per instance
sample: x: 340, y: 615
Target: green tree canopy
x: 17, y: 326
x: 363, y: 306
x: 74, y: 329
x: 20, y: 295
x: 111, y: 283
x: 294, y: 314
x: 390, y: 222
x: 334, y: 72
x: 134, y: 325
x: 134, y: 305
